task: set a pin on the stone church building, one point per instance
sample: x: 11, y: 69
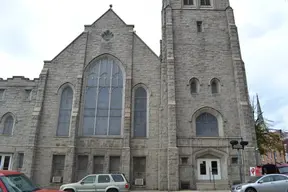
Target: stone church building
x: 107, y: 103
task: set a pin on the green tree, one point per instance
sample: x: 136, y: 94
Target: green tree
x: 267, y: 139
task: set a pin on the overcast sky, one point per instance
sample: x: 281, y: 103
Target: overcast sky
x: 32, y: 31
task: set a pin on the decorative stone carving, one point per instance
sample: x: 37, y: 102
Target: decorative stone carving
x: 107, y: 35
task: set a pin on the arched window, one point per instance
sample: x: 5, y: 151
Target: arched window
x: 65, y: 112
x: 8, y: 125
x: 103, y: 98
x: 215, y: 86
x: 194, y: 85
x: 140, y: 113
x: 207, y: 125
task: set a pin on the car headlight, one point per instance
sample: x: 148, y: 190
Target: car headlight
x: 238, y: 187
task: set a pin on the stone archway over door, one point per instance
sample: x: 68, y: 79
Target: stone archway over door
x: 210, y: 161
x: 208, y: 169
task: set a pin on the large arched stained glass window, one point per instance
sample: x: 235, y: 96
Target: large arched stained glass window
x: 207, y: 125
x: 140, y: 112
x: 65, y: 112
x: 103, y: 98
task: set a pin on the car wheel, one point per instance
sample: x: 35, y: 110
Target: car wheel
x: 112, y: 190
x: 69, y: 190
x: 250, y: 190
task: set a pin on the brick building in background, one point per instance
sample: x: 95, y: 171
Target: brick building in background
x: 108, y: 103
x: 273, y: 157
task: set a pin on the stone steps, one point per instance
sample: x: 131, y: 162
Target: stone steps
x: 219, y: 185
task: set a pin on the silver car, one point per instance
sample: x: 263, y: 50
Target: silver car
x: 99, y: 183
x: 265, y: 183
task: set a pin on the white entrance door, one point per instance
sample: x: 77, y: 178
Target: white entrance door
x: 5, y: 161
x: 208, y: 169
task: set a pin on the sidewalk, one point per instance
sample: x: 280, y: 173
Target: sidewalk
x: 182, y: 191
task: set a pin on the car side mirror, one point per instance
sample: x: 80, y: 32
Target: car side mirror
x: 82, y: 182
x: 261, y: 181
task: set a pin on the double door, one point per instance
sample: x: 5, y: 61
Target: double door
x: 208, y: 169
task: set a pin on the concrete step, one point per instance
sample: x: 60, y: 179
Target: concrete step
x: 219, y: 185
x: 204, y: 191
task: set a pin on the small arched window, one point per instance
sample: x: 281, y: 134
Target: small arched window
x: 8, y: 125
x: 194, y: 85
x: 215, y: 86
x: 140, y: 113
x: 207, y: 125
x: 65, y: 112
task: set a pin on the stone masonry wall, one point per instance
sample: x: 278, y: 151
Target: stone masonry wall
x: 185, y: 53
x: 17, y: 102
x: 206, y: 55
x: 141, y: 66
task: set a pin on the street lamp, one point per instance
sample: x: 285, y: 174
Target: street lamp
x: 239, y: 146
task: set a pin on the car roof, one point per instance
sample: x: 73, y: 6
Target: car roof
x: 5, y: 173
x: 282, y: 165
x: 105, y: 174
x: 275, y: 174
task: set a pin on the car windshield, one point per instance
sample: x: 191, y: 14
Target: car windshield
x: 283, y: 169
x: 253, y: 179
x: 19, y: 183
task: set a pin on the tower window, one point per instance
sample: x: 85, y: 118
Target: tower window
x: 194, y: 85
x: 199, y: 26
x: 205, y: 2
x: 207, y: 125
x: 215, y: 83
x: 188, y: 2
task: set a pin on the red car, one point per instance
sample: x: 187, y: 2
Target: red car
x: 12, y: 181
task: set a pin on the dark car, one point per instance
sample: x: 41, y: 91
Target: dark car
x: 275, y: 168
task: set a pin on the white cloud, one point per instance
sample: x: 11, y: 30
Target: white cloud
x: 35, y: 30
x: 263, y: 29
x: 14, y: 66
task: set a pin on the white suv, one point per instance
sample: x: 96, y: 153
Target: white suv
x: 99, y: 183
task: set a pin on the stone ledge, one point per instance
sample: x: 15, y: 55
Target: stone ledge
x: 19, y: 81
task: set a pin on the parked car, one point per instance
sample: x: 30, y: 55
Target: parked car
x: 99, y: 183
x: 264, y: 183
x: 283, y: 168
x: 12, y: 181
x: 279, y: 168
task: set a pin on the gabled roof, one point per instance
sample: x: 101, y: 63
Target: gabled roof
x: 111, y: 10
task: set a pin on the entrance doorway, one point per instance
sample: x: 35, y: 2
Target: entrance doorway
x: 208, y: 169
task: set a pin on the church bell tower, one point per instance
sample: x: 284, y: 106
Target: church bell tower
x: 204, y: 81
